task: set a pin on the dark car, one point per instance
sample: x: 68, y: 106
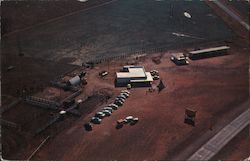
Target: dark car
x: 118, y: 103
x: 96, y: 120
x: 121, y: 96
x: 88, y: 127
x: 120, y: 99
x: 113, y: 106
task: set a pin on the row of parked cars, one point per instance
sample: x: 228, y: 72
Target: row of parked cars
x: 108, y: 110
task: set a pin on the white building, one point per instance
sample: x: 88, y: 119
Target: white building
x: 134, y: 75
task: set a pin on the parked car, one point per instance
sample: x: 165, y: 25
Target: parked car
x: 120, y: 121
x: 125, y: 95
x: 120, y: 99
x: 129, y: 119
x: 129, y: 86
x: 125, y: 91
x: 113, y: 106
x: 100, y: 115
x: 110, y: 109
x: 103, y: 73
x: 154, y: 72
x: 134, y: 121
x: 88, y: 127
x: 118, y: 103
x: 96, y: 120
x: 121, y: 96
x: 106, y: 112
x: 156, y: 77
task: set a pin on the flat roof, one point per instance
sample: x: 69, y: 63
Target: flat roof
x: 75, y: 80
x: 178, y: 55
x: 134, y: 72
x: 132, y: 66
x: 209, y: 50
x: 147, y: 79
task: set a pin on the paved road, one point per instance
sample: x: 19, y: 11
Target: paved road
x: 232, y: 14
x: 215, y: 144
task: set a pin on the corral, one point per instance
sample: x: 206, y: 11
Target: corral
x: 217, y: 87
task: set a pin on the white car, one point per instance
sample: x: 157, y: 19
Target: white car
x: 134, y: 121
x: 129, y: 118
x: 110, y: 109
x: 106, y: 112
x: 100, y: 115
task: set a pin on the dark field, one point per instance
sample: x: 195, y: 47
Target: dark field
x: 123, y: 26
x: 18, y: 15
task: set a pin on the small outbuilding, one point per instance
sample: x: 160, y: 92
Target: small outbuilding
x: 75, y: 81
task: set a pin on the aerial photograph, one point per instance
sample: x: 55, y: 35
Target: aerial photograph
x: 125, y: 80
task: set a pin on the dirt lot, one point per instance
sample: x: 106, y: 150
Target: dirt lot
x: 161, y: 133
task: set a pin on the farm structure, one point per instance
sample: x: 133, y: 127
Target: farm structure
x: 134, y: 75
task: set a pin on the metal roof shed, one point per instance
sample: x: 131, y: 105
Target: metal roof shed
x: 75, y: 81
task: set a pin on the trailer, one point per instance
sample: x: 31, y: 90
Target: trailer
x: 209, y: 52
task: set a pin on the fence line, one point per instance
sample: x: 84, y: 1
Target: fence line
x: 10, y: 124
x: 7, y: 107
x: 146, y: 51
x: 41, y: 102
x: 38, y: 148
